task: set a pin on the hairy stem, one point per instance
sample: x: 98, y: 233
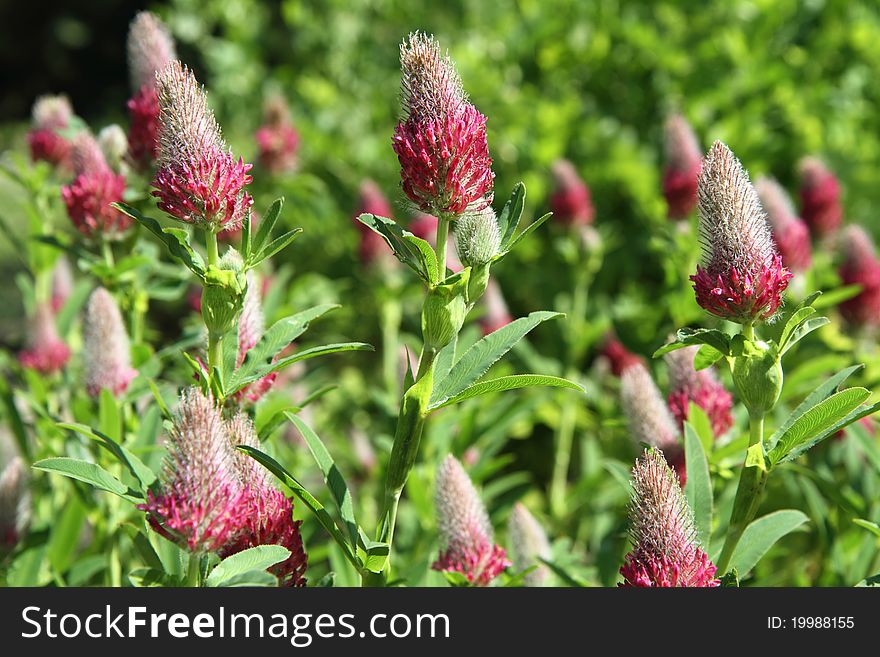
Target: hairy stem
x: 442, y: 239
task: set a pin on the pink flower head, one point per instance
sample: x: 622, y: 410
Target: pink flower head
x: 681, y: 168
x: 528, y: 545
x: 198, y: 180
x: 15, y: 504
x: 105, y: 346
x: 619, y: 357
x: 62, y: 283
x: 497, y: 315
x: 372, y: 248
x: 269, y: 518
x: 666, y: 552
x: 441, y: 141
x: 50, y: 116
x: 700, y: 387
x: 860, y: 266
x: 465, y: 532
x: 251, y: 324
x: 150, y: 49
x: 571, y: 202
x: 201, y: 504
x: 820, y: 198
x: 46, y: 352
x: 88, y: 198
x: 277, y: 139
x: 742, y: 277
x: 790, y: 233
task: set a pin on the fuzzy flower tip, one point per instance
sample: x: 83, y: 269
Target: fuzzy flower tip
x: 441, y: 141
x: 618, y: 356
x: 105, y: 346
x: 251, y: 324
x: 88, y: 198
x: 62, y: 283
x: 528, y: 545
x: 820, y: 198
x: 477, y: 237
x: 681, y: 167
x: 372, y: 249
x: 570, y: 201
x: 860, y: 266
x: 50, y: 115
x: 790, y: 233
x: 46, y: 352
x: 465, y: 531
x: 15, y: 504
x: 742, y: 277
x: 213, y: 498
x: 198, y: 180
x: 666, y: 552
x: 648, y: 419
x: 277, y: 139
x: 700, y: 387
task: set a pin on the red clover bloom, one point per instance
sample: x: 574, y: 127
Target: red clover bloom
x: 681, y: 168
x: 701, y: 387
x: 465, y: 532
x: 46, y: 352
x: 742, y: 277
x: 50, y: 116
x: 618, y: 356
x: 528, y: 545
x: 441, y: 140
x: 820, y: 198
x: 666, y: 552
x: 105, y: 346
x: 277, y: 139
x: 198, y: 180
x: 570, y: 202
x: 860, y: 266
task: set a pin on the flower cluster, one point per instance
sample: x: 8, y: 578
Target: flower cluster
x: 666, y: 552
x: 214, y: 499
x: 701, y: 387
x: 198, y: 180
x: 441, y: 141
x: 742, y: 277
x: 820, y: 198
x: 277, y: 139
x: 15, y: 504
x: 46, y: 352
x: 681, y: 167
x: 618, y: 356
x: 860, y: 266
x: 106, y: 351
x: 96, y: 186
x: 528, y: 545
x: 150, y: 49
x: 50, y: 116
x: 465, y: 532
x: 790, y: 233
x: 570, y: 201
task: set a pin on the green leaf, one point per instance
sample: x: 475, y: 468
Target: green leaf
x: 531, y: 228
x: 510, y: 215
x: 267, y: 224
x: 149, y: 577
x: 176, y: 239
x: 760, y: 537
x: 685, y: 337
x: 275, y: 246
x: 109, y: 416
x: 507, y: 383
x: 257, y: 558
x: 836, y: 296
x: 133, y: 464
x: 817, y: 423
x: 89, y: 473
x: 477, y: 360
x: 799, y: 316
x: 275, y: 340
x: 698, y: 488
x: 702, y: 425
x: 706, y: 356
x: 802, y: 331
x: 332, y: 477
x: 872, y: 527
x: 870, y: 581
x: 409, y: 249
x: 305, y: 497
x: 239, y: 382
x: 563, y: 574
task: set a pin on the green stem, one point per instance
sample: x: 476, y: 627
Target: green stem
x: 212, y: 248
x: 391, y: 315
x: 215, y: 341
x: 440, y: 248
x: 107, y: 252
x: 752, y: 481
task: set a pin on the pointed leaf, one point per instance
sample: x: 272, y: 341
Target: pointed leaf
x: 507, y: 383
x: 89, y: 473
x: 718, y: 340
x: 510, y: 215
x: 409, y: 249
x: 257, y: 558
x: 760, y: 536
x: 133, y: 464
x: 176, y: 239
x: 698, y: 488
x: 267, y: 224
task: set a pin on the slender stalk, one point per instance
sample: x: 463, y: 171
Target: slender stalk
x: 391, y: 315
x: 107, y: 252
x: 215, y: 346
x: 440, y: 247
x: 752, y: 481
